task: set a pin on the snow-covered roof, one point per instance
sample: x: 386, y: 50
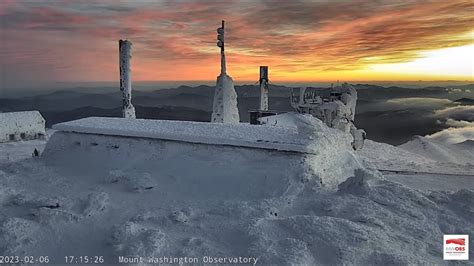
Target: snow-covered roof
x: 13, y: 121
x: 285, y: 138
x: 21, y: 116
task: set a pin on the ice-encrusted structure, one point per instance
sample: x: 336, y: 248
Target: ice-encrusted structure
x: 305, y: 147
x: 125, y: 47
x: 21, y: 126
x: 224, y: 109
x: 334, y: 106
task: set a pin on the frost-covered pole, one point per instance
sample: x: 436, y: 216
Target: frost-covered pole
x: 264, y: 88
x: 125, y: 48
x: 224, y: 108
x: 302, y: 92
x: 220, y: 43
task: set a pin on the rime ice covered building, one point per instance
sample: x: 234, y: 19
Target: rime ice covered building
x: 334, y: 106
x: 21, y: 126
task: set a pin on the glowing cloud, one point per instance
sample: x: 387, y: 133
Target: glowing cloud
x: 300, y: 40
x: 453, y: 135
x: 454, y: 62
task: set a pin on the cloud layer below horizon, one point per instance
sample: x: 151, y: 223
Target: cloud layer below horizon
x: 460, y: 120
x: 48, y: 41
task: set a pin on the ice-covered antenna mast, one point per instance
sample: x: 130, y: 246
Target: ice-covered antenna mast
x: 125, y: 55
x: 224, y: 108
x: 263, y: 88
x: 220, y: 43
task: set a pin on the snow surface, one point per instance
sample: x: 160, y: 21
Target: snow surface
x: 116, y: 195
x: 14, y: 151
x: 432, y: 181
x: 440, y: 151
x: 387, y: 157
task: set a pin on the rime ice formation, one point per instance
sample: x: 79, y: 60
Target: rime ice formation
x: 224, y: 108
x: 225, y: 101
x: 305, y: 134
x: 125, y: 48
x: 309, y: 142
x: 334, y: 106
x: 21, y: 126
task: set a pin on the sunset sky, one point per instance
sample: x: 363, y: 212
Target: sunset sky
x: 71, y: 41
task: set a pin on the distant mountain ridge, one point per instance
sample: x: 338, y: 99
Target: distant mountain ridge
x: 195, y: 103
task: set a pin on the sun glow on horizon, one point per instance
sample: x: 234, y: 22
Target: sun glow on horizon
x: 453, y: 62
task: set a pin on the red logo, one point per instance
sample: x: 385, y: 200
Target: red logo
x: 457, y: 241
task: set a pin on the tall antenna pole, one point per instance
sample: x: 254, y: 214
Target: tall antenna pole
x: 125, y: 47
x: 223, y: 30
x: 263, y: 88
x: 220, y: 43
x: 224, y: 107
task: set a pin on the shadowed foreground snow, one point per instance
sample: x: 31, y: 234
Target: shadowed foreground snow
x: 114, y: 196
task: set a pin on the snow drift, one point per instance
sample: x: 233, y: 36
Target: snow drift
x: 439, y: 151
x: 422, y: 155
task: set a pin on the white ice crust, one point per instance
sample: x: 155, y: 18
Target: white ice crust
x: 225, y: 108
x: 309, y: 135
x: 29, y: 123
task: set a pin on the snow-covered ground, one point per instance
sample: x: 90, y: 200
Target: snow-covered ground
x: 14, y: 151
x: 17, y: 150
x: 406, y: 158
x: 414, y: 167
x: 112, y: 196
x: 462, y: 153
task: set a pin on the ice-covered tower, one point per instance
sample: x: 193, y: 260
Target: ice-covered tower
x: 125, y: 48
x: 224, y: 109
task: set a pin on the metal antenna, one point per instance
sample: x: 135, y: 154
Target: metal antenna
x: 263, y: 88
x: 223, y: 31
x: 220, y: 43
